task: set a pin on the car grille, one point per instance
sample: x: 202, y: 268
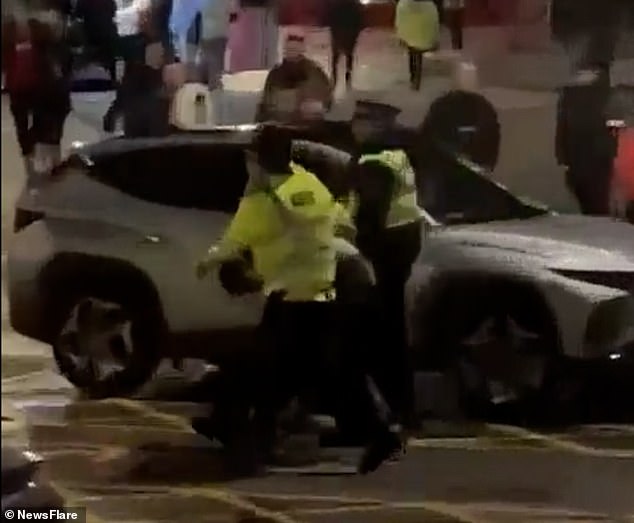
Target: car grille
x: 615, y: 280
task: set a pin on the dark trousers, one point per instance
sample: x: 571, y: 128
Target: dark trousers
x: 342, y: 46
x: 392, y: 366
x: 415, y: 67
x: 27, y: 120
x: 455, y: 23
x: 589, y: 181
x: 305, y: 358
x: 629, y: 212
x: 39, y: 117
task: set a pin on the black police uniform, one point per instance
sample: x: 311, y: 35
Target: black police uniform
x: 392, y: 250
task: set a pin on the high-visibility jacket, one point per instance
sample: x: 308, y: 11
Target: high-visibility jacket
x: 418, y: 24
x: 290, y: 230
x: 404, y: 207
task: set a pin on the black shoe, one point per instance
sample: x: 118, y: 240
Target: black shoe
x: 383, y: 448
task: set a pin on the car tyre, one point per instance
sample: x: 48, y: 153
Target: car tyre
x: 471, y: 372
x: 137, y: 348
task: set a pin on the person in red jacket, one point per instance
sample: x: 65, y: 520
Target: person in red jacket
x: 36, y: 74
x: 624, y: 172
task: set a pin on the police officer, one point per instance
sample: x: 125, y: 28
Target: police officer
x: 287, y: 220
x: 387, y: 219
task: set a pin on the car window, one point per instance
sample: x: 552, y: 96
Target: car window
x: 198, y: 176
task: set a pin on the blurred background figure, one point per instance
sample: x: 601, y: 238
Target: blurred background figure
x: 584, y: 143
x: 344, y: 19
x: 462, y: 121
x: 588, y: 31
x: 151, y: 77
x: 99, y: 33
x: 36, y: 63
x: 255, y: 36
x: 215, y: 24
x: 418, y: 27
x: 453, y: 17
x: 296, y: 89
x: 185, y: 24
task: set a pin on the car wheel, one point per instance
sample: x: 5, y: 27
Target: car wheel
x: 505, y: 356
x: 108, y: 346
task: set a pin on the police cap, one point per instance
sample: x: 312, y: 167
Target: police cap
x: 376, y: 111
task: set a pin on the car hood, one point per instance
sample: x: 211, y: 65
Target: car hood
x: 562, y: 241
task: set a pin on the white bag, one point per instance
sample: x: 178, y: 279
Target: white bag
x: 193, y: 108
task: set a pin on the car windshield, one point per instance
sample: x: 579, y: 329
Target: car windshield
x: 456, y: 192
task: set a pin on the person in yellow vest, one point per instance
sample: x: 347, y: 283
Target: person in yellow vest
x: 388, y: 221
x: 287, y: 221
x: 417, y: 25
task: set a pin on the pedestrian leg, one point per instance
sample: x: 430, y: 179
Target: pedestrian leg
x: 22, y: 112
x: 418, y: 69
x: 393, y: 366
x: 212, y: 62
x: 350, y: 64
x: 335, y: 53
x: 412, y: 65
x: 455, y: 21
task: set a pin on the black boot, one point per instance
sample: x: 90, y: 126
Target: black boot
x: 382, y: 448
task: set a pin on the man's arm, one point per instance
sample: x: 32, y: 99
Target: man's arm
x: 236, y: 239
x: 375, y: 184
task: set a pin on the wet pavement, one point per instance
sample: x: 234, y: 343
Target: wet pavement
x: 138, y: 460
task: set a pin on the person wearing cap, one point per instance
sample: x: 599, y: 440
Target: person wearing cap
x: 287, y: 221
x: 388, y: 218
x: 297, y: 88
x: 583, y: 142
x: 417, y: 25
x: 461, y: 122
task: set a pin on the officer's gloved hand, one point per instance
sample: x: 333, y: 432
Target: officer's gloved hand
x: 238, y: 278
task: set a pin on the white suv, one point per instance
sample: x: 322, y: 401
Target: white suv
x: 102, y: 265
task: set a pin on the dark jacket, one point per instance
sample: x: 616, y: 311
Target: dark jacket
x: 51, y: 54
x: 581, y: 124
x: 344, y: 18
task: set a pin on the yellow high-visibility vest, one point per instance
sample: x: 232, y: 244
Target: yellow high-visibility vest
x: 291, y: 233
x: 404, y: 207
x: 417, y: 24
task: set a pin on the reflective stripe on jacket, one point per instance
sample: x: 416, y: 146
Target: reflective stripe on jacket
x: 291, y: 232
x: 403, y: 207
x: 418, y: 24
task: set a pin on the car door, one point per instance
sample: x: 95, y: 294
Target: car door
x: 158, y: 205
x: 190, y: 191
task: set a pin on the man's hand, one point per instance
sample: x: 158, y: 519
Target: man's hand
x: 174, y: 76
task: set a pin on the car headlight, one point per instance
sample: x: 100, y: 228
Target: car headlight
x: 622, y: 280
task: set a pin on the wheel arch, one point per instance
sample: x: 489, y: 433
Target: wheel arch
x: 452, y: 296
x: 68, y: 272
